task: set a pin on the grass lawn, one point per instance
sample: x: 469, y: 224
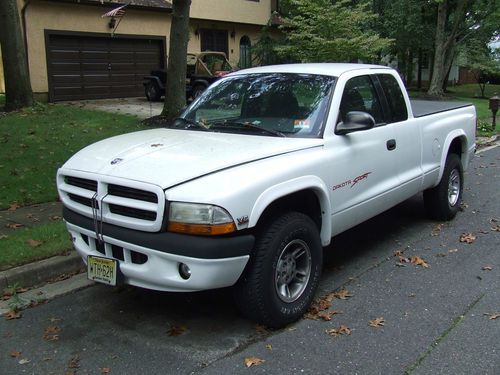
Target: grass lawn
x: 35, y: 142
x: 33, y: 243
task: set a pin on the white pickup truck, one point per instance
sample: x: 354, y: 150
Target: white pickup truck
x: 256, y: 177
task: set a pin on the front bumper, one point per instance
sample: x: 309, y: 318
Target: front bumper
x: 151, y: 260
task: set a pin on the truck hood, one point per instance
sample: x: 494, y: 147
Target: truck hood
x: 167, y: 157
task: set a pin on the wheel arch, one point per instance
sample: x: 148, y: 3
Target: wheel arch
x: 455, y: 143
x: 306, y: 194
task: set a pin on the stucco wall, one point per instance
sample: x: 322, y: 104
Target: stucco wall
x: 240, y: 11
x: 2, y: 79
x: 81, y: 18
x: 45, y: 15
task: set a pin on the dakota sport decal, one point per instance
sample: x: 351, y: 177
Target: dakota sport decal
x: 352, y: 182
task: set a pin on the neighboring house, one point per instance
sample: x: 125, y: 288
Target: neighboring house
x: 73, y: 53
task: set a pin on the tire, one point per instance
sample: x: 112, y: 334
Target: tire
x: 283, y: 273
x: 152, y: 91
x: 443, y: 201
x: 197, y: 91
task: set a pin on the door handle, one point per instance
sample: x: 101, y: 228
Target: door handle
x: 391, y: 144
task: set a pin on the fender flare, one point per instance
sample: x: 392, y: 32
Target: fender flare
x: 457, y: 133
x: 283, y: 189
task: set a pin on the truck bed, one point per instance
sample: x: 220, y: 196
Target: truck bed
x: 422, y: 108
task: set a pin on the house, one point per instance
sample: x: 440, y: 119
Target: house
x: 75, y: 53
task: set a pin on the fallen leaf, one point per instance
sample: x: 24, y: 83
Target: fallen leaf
x: 13, y: 225
x: 74, y: 362
x: 493, y: 316
x: 416, y: 260
x: 12, y: 314
x: 342, y: 294
x: 441, y: 255
x: 328, y: 315
x: 467, y: 238
x: 436, y: 230
x: 3, y: 236
x: 487, y: 268
x: 55, y: 217
x: 269, y: 347
x: 496, y: 228
x: 342, y: 330
x: 377, y: 322
x: 253, y: 361
x: 176, y: 330
x: 24, y: 361
x: 13, y: 206
x: 453, y: 251
x: 15, y: 354
x: 51, y: 333
x: 105, y: 370
x: 397, y: 253
x: 34, y: 243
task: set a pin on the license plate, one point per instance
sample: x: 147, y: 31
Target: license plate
x: 102, y: 270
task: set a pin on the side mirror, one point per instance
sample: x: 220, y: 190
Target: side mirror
x: 355, y: 121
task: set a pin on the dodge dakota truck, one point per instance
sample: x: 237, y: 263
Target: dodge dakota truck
x: 256, y: 176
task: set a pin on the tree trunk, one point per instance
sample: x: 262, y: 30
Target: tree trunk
x: 447, y: 29
x: 438, y: 73
x: 18, y: 92
x: 175, y: 91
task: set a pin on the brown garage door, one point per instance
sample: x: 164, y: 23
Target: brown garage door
x: 95, y: 67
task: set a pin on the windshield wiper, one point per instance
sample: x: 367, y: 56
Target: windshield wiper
x: 184, y: 123
x: 246, y: 125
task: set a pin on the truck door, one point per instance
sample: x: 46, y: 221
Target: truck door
x: 362, y: 164
x: 408, y: 151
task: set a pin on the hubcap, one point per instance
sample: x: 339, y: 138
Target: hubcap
x: 293, y: 271
x: 454, y: 187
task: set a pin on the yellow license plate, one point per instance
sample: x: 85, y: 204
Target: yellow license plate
x: 102, y: 270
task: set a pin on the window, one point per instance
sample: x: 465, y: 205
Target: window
x: 394, y: 97
x: 214, y: 40
x: 284, y: 104
x: 360, y: 95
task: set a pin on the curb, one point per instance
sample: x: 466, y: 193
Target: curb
x: 33, y: 274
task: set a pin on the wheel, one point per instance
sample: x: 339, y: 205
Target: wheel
x: 197, y: 90
x: 153, y: 92
x: 443, y: 201
x: 283, y: 273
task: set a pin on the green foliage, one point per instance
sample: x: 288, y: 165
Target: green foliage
x: 264, y: 51
x: 16, y: 249
x: 36, y: 141
x: 326, y: 31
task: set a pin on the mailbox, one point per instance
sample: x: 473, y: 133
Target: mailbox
x: 494, y: 102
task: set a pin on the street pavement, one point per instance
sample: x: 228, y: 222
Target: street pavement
x: 437, y: 320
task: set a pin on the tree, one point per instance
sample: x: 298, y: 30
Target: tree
x: 18, y: 91
x: 456, y: 22
x: 175, y: 91
x: 411, y: 24
x: 323, y: 31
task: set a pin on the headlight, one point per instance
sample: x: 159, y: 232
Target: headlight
x: 200, y: 219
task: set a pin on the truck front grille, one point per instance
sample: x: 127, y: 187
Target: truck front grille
x: 139, y: 206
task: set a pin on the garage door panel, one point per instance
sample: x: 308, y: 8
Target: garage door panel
x: 90, y: 67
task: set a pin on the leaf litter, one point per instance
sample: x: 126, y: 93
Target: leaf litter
x: 253, y: 361
x: 342, y: 330
x: 377, y: 322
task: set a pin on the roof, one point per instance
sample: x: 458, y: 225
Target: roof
x: 329, y: 69
x: 147, y: 4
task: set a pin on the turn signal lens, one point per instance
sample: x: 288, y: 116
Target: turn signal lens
x: 201, y: 229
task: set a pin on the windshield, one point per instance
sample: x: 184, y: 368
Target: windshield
x: 270, y: 104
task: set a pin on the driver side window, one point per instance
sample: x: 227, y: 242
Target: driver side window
x: 360, y: 95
